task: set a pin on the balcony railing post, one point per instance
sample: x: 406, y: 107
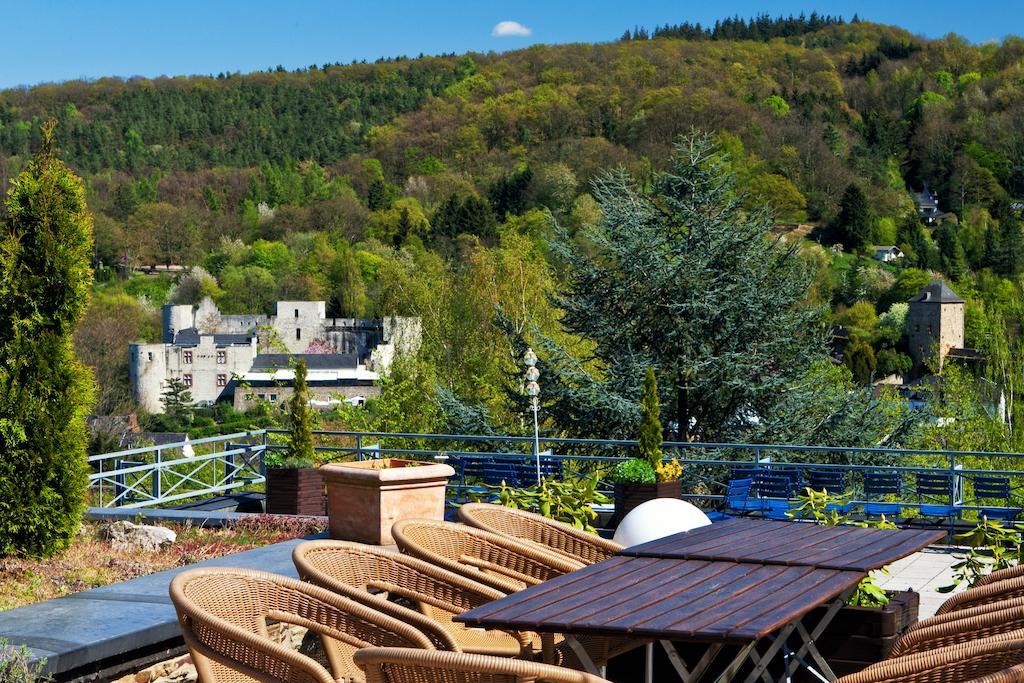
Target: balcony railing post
x: 359, y: 446
x: 157, y: 474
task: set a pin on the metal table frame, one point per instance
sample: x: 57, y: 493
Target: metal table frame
x: 776, y: 642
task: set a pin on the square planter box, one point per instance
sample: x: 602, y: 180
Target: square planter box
x: 628, y: 496
x: 859, y: 636
x: 365, y: 498
x: 292, y: 491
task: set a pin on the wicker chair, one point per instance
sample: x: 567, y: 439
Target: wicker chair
x: 1015, y: 674
x: 955, y: 631
x: 401, y: 665
x: 996, y: 591
x: 502, y: 563
x: 1002, y: 575
x: 978, y: 660
x: 224, y: 613
x: 546, y: 533
x: 965, y: 613
x: 354, y: 569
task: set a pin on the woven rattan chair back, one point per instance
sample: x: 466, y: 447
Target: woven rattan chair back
x: 964, y: 662
x: 956, y: 631
x: 996, y: 591
x: 399, y: 665
x: 547, y: 533
x: 494, y: 560
x: 1002, y: 575
x: 224, y: 614
x: 375, y: 577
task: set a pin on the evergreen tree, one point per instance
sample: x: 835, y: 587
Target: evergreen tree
x: 952, y: 261
x: 476, y: 218
x: 45, y: 392
x: 854, y: 220
x: 300, y: 420
x: 446, y: 218
x: 650, y: 421
x: 682, y: 279
x: 177, y: 400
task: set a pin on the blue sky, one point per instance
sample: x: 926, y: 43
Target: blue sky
x: 56, y: 40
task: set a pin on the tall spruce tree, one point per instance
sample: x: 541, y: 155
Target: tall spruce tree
x: 300, y: 419
x: 854, y: 220
x: 680, y: 278
x: 45, y: 392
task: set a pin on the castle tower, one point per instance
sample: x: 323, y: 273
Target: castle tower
x: 935, y: 323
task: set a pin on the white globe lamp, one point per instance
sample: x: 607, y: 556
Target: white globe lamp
x: 658, y: 518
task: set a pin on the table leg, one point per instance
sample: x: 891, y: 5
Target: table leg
x: 737, y: 662
x: 686, y: 675
x: 582, y: 655
x: 649, y: 663
x: 764, y: 660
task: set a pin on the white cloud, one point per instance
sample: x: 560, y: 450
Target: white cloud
x: 510, y: 28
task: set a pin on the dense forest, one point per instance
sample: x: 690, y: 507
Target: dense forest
x: 449, y: 188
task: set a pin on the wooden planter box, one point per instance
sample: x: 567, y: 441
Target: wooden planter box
x: 365, y: 498
x: 292, y: 491
x: 628, y: 496
x: 859, y: 636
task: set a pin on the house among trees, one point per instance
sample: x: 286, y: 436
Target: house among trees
x: 209, y: 354
x: 887, y: 253
x: 927, y: 202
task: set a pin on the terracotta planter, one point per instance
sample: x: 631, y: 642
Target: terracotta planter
x: 292, y: 491
x: 365, y: 498
x: 859, y: 636
x: 628, y: 496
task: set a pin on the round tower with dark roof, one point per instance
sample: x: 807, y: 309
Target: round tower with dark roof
x: 935, y: 323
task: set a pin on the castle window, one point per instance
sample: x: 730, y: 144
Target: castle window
x: 296, y: 313
x: 273, y: 397
x: 151, y: 355
x: 186, y: 356
x: 917, y: 328
x: 222, y: 380
x: 298, y: 333
x: 263, y: 397
x: 186, y: 379
x: 222, y: 357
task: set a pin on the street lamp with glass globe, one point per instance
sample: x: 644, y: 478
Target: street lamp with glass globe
x: 533, y: 391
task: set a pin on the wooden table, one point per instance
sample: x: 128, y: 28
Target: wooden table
x: 790, y: 543
x: 718, y: 594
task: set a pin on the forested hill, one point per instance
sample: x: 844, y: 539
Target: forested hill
x: 428, y: 186
x: 814, y: 111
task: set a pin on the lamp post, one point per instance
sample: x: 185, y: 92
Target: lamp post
x: 533, y: 390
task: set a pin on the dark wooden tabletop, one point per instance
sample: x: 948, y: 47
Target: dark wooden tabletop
x: 790, y: 543
x: 705, y: 601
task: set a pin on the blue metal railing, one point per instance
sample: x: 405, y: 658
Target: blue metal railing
x: 236, y: 460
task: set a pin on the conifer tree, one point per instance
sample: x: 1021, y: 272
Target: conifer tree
x: 650, y: 421
x: 300, y: 420
x: 682, y: 279
x: 45, y: 392
x: 854, y: 221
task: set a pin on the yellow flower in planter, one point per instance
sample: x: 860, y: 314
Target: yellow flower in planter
x: 669, y: 471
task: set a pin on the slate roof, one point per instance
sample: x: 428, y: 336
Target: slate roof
x: 190, y: 337
x: 314, y: 361
x: 936, y: 292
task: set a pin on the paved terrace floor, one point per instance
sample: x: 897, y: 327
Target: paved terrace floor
x: 105, y: 623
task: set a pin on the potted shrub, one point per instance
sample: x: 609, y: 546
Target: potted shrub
x: 294, y: 486
x: 365, y: 498
x: 646, y: 477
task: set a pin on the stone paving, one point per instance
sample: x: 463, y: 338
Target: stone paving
x: 924, y: 572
